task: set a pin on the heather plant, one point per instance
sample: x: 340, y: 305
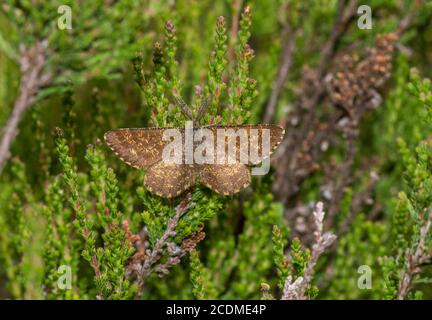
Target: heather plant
x: 344, y: 212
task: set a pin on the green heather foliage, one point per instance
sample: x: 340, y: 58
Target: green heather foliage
x: 77, y: 223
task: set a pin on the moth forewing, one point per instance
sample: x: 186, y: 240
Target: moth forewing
x: 204, y: 152
x: 173, y: 150
x: 138, y: 147
x: 247, y: 144
x: 235, y: 142
x: 259, y: 145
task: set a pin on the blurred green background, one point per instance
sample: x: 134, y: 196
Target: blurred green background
x: 65, y: 197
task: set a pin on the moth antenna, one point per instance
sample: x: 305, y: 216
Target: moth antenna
x: 184, y: 107
x: 203, y: 107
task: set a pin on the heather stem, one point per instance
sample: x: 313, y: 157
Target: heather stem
x: 32, y: 62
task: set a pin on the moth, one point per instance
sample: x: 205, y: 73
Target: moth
x: 146, y: 148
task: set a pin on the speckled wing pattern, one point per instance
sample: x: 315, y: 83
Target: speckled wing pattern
x: 224, y: 179
x: 138, y: 147
x: 169, y: 180
x: 276, y: 135
x: 142, y: 148
x: 227, y: 179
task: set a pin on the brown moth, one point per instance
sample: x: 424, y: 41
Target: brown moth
x: 143, y: 149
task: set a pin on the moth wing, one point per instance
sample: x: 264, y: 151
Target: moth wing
x: 168, y: 180
x: 138, y: 147
x: 224, y: 179
x: 254, y: 151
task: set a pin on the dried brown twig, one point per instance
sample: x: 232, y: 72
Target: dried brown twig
x: 345, y: 12
x: 296, y: 290
x: 33, y: 77
x: 356, y: 91
x: 147, y: 261
x: 293, y: 160
x: 286, y: 61
x: 344, y: 87
x: 415, y: 259
x: 353, y: 90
